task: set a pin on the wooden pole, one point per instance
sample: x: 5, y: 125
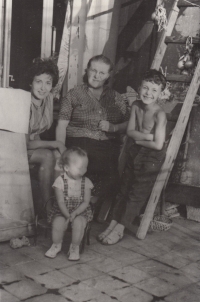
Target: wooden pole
x: 7, y: 41
x: 1, y: 39
x: 47, y: 22
x: 74, y: 45
x: 82, y: 40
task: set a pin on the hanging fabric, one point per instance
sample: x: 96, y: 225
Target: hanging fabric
x: 63, y: 58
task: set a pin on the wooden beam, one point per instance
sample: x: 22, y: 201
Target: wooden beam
x: 47, y: 22
x: 190, y: 3
x: 1, y: 38
x: 179, y: 78
x: 82, y: 40
x: 74, y: 45
x: 182, y: 40
x: 7, y: 42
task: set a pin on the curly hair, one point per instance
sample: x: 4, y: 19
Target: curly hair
x: 40, y: 66
x: 155, y: 76
x: 65, y: 157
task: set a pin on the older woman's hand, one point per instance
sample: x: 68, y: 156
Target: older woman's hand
x: 106, y: 126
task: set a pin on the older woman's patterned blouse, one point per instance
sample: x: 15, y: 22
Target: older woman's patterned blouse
x: 85, y: 112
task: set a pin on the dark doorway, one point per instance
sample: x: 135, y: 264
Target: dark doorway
x: 25, y: 39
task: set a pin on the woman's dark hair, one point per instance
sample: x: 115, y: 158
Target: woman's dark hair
x: 65, y: 157
x: 40, y: 66
x: 98, y: 58
x: 155, y: 76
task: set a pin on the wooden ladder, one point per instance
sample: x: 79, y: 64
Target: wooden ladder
x: 182, y: 121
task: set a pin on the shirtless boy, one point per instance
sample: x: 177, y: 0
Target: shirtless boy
x: 146, y: 154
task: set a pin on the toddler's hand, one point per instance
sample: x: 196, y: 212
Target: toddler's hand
x: 72, y: 216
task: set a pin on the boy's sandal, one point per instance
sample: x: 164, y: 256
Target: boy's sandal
x: 113, y: 238
x: 103, y: 235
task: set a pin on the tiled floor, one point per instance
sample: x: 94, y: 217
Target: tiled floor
x: 163, y: 267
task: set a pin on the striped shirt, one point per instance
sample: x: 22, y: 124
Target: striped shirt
x: 85, y: 112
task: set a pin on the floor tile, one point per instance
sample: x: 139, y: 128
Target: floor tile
x: 7, y: 297
x: 80, y: 292
x: 14, y: 257
x: 128, y: 256
x: 154, y: 268
x: 173, y: 259
x: 53, y: 280
x: 88, y: 255
x: 189, y: 294
x: 9, y: 275
x: 48, y: 298
x: 105, y: 264
x: 103, y: 298
x: 165, y: 267
x: 128, y: 241
x: 149, y: 250
x: 156, y: 287
x: 106, y: 284
x: 192, y: 271
x: 35, y: 252
x: 33, y: 268
x: 130, y: 274
x: 176, y: 278
x: 131, y: 294
x: 5, y: 248
x: 59, y: 262
x: 81, y: 271
x: 25, y: 289
x: 2, y: 266
x: 191, y: 253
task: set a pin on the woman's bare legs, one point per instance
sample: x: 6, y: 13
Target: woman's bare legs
x: 46, y: 160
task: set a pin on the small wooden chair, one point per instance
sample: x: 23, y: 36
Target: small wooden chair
x: 43, y: 224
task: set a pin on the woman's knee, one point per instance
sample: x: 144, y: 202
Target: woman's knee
x: 47, y: 158
x: 42, y: 157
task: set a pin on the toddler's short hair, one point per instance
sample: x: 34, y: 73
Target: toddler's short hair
x: 156, y: 77
x: 65, y: 157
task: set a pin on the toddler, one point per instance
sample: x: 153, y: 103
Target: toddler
x: 73, y: 193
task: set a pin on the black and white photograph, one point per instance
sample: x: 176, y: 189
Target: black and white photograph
x: 99, y: 150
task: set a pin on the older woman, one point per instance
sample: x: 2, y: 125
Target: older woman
x: 92, y: 116
x: 43, y: 76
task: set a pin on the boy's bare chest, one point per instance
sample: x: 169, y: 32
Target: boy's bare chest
x: 146, y: 120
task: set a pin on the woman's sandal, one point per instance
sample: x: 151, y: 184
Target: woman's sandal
x: 103, y: 235
x: 113, y: 238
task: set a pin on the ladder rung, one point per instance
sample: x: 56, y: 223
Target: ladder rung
x: 173, y: 39
x: 183, y: 3
x: 179, y: 78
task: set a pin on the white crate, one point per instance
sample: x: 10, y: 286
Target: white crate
x: 193, y: 213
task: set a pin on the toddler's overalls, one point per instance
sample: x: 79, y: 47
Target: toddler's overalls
x: 72, y: 203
